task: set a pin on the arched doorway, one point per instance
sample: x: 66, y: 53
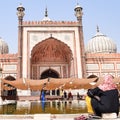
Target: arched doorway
x: 10, y: 94
x: 49, y: 74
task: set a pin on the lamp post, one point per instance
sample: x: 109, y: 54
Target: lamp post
x: 1, y: 100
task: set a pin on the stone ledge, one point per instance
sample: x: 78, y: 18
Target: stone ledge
x: 109, y: 115
x: 48, y: 117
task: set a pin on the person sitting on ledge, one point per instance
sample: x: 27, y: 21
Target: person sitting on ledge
x: 104, y: 98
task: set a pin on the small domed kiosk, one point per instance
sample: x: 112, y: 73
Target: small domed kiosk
x: 3, y: 47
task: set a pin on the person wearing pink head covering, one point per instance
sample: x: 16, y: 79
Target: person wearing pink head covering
x: 108, y: 84
x: 105, y: 97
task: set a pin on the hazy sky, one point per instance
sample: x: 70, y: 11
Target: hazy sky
x: 104, y: 13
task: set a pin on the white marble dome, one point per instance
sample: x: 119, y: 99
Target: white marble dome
x: 3, y: 47
x: 101, y: 44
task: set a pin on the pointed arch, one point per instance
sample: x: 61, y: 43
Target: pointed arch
x: 11, y: 78
x: 51, y: 50
x: 9, y: 94
x: 49, y: 73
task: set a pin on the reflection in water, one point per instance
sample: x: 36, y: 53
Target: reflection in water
x: 8, y: 109
x: 43, y: 105
x: 53, y: 107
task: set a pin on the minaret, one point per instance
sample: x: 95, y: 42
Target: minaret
x: 20, y: 14
x: 79, y: 14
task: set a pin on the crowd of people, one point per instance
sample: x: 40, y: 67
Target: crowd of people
x: 66, y: 96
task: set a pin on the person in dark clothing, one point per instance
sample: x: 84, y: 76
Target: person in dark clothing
x: 65, y: 95
x: 78, y: 96
x: 105, y: 97
x: 70, y: 96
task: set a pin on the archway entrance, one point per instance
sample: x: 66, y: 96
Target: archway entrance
x: 10, y: 94
x: 49, y: 74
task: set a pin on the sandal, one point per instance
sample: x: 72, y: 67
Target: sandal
x: 94, y: 116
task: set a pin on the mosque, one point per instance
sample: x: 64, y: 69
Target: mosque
x: 56, y: 49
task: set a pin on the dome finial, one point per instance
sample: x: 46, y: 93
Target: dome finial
x: 46, y: 12
x: 98, y: 28
x: 20, y: 4
x: 77, y: 2
x: 46, y: 18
